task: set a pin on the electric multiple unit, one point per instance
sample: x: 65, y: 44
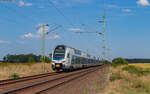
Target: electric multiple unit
x: 67, y: 58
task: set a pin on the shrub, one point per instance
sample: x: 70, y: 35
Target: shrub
x: 119, y: 61
x: 47, y: 60
x: 142, y: 86
x: 85, y: 92
x: 14, y: 76
x: 115, y: 76
x: 106, y: 62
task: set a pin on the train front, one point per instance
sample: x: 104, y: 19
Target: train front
x: 58, y: 58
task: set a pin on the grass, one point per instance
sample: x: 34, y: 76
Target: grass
x: 85, y: 92
x: 129, y: 79
x: 115, y: 76
x: 97, y: 88
x: 14, y: 76
x: 143, y: 65
x: 137, y: 70
x: 14, y: 70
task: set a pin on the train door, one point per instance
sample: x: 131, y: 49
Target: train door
x: 68, y: 58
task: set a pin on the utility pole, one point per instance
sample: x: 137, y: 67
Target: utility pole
x: 103, y: 37
x: 43, y: 37
x: 43, y: 41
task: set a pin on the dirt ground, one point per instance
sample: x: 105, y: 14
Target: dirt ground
x: 93, y: 83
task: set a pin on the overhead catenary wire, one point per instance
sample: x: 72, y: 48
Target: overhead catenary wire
x: 61, y: 13
x: 17, y: 12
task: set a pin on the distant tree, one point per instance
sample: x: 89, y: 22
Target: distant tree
x: 22, y: 58
x: 47, y: 60
x: 138, y: 60
x: 106, y: 62
x: 119, y: 61
x: 31, y: 60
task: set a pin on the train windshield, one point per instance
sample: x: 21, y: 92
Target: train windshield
x: 59, y: 52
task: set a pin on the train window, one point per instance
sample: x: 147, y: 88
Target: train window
x: 59, y: 52
x: 77, y: 52
x: 68, y: 56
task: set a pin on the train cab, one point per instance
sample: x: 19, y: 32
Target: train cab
x: 58, y: 57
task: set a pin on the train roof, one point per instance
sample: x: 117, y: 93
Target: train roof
x: 91, y: 56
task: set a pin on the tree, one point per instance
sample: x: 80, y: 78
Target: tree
x: 22, y: 58
x: 47, y: 59
x: 31, y: 60
x: 119, y: 61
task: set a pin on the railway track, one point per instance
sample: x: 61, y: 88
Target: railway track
x: 42, y: 85
x: 11, y: 81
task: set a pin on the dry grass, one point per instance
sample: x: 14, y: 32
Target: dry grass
x: 125, y: 82
x: 143, y: 65
x: 7, y: 69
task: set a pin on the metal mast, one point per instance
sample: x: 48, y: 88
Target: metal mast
x: 103, y: 38
x: 43, y: 43
x: 43, y: 38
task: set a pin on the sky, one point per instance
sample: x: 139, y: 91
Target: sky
x: 127, y: 26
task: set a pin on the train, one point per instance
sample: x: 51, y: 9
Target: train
x: 65, y: 58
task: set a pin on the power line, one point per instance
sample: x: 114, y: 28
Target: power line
x: 61, y: 13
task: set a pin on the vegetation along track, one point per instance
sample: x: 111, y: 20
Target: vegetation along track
x: 38, y: 86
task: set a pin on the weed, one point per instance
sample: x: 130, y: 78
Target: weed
x: 14, y: 76
x: 97, y: 88
x: 142, y: 86
x: 115, y: 76
x: 136, y: 70
x: 85, y: 92
x: 111, y: 92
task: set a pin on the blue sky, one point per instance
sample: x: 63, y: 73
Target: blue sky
x: 127, y: 26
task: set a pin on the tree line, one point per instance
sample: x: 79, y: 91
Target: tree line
x: 138, y: 60
x: 24, y: 58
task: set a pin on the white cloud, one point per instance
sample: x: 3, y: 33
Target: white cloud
x: 76, y: 30
x: 22, y: 3
x: 53, y: 37
x: 29, y: 35
x: 143, y: 2
x: 126, y: 10
x: 4, y: 42
x: 38, y: 34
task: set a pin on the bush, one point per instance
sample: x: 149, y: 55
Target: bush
x: 142, y: 86
x: 106, y: 62
x: 119, y: 61
x: 14, y: 76
x: 136, y: 70
x: 47, y: 59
